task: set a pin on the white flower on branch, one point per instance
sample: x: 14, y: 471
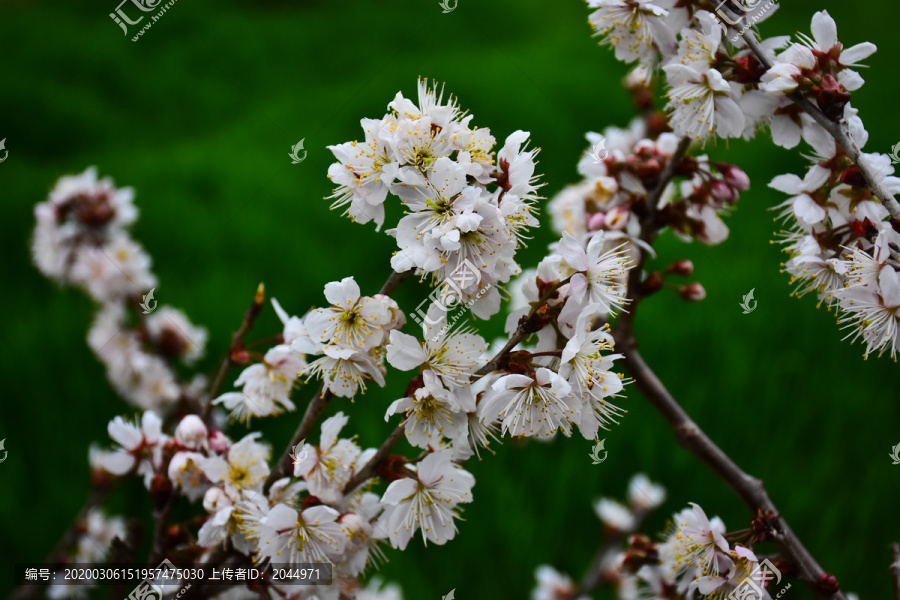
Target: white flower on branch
x: 433, y: 412
x: 243, y: 469
x: 328, y: 467
x: 701, y: 102
x: 266, y: 386
x: 599, y: 275
x: 553, y: 585
x: 138, y: 446
x: 636, y: 29
x: 452, y: 355
x: 589, y: 372
x: 532, y: 405
x: 873, y: 312
x: 286, y: 535
x: 426, y: 502
x: 351, y: 321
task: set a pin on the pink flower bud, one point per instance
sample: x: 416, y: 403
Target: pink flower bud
x: 721, y: 191
x: 693, y: 292
x: 596, y: 221
x: 734, y: 176
x: 682, y: 268
x: 218, y: 441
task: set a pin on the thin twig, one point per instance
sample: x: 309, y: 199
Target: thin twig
x: 839, y: 130
x: 314, y: 410
x: 370, y: 467
x: 749, y: 489
x: 237, y: 339
x: 160, y: 524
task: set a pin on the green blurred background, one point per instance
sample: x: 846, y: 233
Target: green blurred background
x: 199, y: 116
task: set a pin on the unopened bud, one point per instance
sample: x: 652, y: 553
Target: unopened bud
x: 682, y: 268
x: 828, y: 583
x: 596, y: 221
x: 692, y: 292
x: 722, y: 192
x: 734, y: 176
x: 652, y: 283
x: 191, y: 431
x: 219, y: 442
x: 240, y: 357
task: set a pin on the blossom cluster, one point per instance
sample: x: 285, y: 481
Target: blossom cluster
x: 463, y: 206
x: 82, y: 239
x: 841, y: 242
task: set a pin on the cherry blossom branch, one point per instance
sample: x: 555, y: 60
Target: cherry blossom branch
x: 314, y: 410
x: 522, y: 331
x: 838, y: 130
x: 318, y: 405
x: 160, y: 523
x: 749, y: 489
x: 895, y: 569
x: 370, y: 467
x: 237, y: 339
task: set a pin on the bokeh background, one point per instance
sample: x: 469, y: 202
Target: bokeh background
x: 199, y: 116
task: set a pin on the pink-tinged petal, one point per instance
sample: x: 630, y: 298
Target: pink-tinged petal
x: 404, y: 351
x: 824, y: 30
